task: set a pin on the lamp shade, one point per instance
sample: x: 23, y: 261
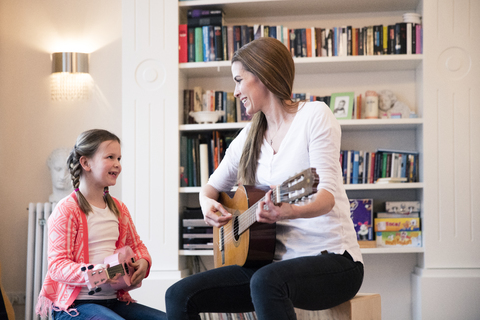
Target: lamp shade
x: 71, y: 62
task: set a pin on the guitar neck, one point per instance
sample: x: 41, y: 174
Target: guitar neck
x: 112, y: 271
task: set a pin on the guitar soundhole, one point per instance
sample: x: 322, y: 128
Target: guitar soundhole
x: 236, y: 228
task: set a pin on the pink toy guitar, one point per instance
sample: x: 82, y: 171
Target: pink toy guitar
x: 118, y: 264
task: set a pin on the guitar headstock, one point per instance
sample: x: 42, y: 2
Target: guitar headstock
x: 94, y: 278
x: 298, y: 187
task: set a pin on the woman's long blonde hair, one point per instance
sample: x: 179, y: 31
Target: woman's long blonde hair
x: 86, y: 146
x: 271, y: 62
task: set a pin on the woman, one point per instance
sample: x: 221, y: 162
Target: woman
x: 317, y: 262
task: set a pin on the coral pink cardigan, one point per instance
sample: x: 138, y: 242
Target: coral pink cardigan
x: 68, y: 252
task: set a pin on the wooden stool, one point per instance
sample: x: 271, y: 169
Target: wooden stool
x: 364, y: 306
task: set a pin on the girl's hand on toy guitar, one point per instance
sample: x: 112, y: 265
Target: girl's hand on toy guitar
x: 140, y: 267
x: 113, y: 280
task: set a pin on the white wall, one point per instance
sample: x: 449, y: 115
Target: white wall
x: 31, y: 125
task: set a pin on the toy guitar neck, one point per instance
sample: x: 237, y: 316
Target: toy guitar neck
x: 118, y: 263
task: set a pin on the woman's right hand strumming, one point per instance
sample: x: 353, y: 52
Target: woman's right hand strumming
x: 214, y: 213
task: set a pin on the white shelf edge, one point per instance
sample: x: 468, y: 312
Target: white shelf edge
x: 370, y: 186
x: 383, y: 186
x: 354, y: 124
x: 364, y: 251
x: 315, y: 65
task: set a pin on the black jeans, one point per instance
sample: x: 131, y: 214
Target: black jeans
x: 312, y: 283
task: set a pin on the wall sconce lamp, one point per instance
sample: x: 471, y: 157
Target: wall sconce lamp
x: 70, y: 79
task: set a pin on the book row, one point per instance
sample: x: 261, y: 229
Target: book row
x: 200, y: 155
x: 381, y: 166
x: 228, y: 316
x: 218, y: 42
x: 197, y: 99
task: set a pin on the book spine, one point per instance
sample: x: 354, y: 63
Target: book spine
x: 292, y: 36
x: 237, y: 40
x: 197, y: 13
x: 206, y: 44
x: 198, y: 44
x: 218, y: 43
x: 355, y: 167
x: 191, y: 44
x: 230, y: 40
x: 401, y: 38
x: 182, y: 43
x: 243, y: 35
x: 205, y: 21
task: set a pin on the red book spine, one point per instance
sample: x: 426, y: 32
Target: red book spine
x: 182, y: 43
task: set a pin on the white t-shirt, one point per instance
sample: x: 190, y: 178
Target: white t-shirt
x: 103, y: 233
x: 313, y: 140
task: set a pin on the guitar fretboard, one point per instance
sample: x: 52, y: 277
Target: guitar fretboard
x: 112, y: 271
x: 249, y: 217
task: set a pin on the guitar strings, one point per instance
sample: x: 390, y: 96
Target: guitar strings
x: 245, y: 220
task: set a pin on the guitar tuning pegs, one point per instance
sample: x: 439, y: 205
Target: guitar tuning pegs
x: 91, y: 293
x: 90, y: 267
x: 98, y: 289
x: 83, y: 268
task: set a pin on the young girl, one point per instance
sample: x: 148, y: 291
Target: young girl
x: 85, y: 228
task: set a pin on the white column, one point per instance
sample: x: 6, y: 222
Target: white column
x: 449, y: 277
x: 150, y: 103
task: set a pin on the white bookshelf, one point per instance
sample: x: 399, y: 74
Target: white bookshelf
x: 441, y: 85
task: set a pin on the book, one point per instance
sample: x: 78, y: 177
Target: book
x: 208, y: 44
x: 230, y: 44
x: 396, y: 224
x: 183, y: 161
x: 231, y: 108
x: 197, y: 98
x: 191, y: 44
x: 389, y: 215
x: 237, y: 38
x: 206, y: 21
x: 218, y: 43
x: 203, y: 158
x: 400, y: 38
x: 198, y: 13
x: 402, y: 207
x: 198, y: 44
x: 355, y: 166
x: 182, y: 43
x: 391, y: 180
x: 258, y: 31
x: 399, y: 239
x: 361, y: 212
x: 242, y: 115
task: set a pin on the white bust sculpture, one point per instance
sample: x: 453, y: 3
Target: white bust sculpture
x: 61, y: 182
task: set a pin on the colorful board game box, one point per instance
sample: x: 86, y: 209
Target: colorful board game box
x: 399, y: 239
x: 397, y: 224
x: 361, y: 212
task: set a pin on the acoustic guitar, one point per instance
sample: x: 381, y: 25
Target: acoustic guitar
x: 245, y: 242
x: 118, y: 263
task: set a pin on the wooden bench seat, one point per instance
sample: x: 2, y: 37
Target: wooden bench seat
x: 364, y: 306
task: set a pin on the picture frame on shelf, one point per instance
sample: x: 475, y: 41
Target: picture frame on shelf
x: 341, y: 105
